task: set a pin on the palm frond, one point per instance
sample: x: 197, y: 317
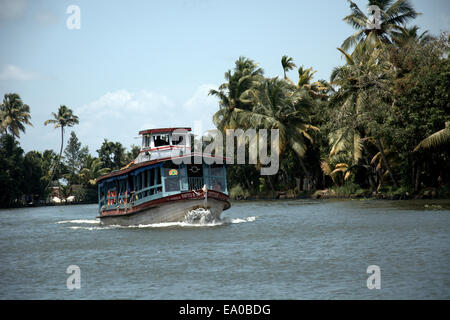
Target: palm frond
x: 436, y: 139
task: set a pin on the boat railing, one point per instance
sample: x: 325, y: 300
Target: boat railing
x: 195, y: 183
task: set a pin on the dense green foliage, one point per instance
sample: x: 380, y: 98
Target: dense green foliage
x: 381, y: 122
x: 36, y: 177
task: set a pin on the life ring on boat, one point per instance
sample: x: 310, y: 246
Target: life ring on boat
x: 194, y: 169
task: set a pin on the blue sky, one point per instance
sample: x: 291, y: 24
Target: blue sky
x: 141, y: 64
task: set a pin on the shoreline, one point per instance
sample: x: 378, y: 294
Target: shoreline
x: 282, y: 196
x: 430, y: 194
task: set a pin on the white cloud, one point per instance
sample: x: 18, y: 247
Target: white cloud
x: 200, y: 99
x: 12, y: 72
x: 120, y: 115
x: 202, y: 106
x: 11, y: 9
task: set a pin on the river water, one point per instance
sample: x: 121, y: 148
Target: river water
x: 300, y: 249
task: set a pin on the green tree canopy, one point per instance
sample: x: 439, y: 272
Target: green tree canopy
x: 14, y: 115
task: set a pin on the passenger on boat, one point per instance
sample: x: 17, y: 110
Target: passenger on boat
x: 217, y: 186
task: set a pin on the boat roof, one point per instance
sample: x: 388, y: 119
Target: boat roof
x: 162, y: 130
x: 147, y: 163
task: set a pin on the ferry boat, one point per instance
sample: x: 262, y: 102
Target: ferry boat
x: 165, y: 183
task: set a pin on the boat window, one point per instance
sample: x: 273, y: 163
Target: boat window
x: 172, y: 184
x: 217, y: 177
x: 146, y: 141
x: 172, y: 178
x: 145, y: 181
x: 217, y: 170
x: 180, y: 141
x: 158, y: 176
x: 162, y: 140
x: 218, y: 184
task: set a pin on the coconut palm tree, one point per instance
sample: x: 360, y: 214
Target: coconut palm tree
x: 436, y: 139
x: 393, y: 14
x: 360, y: 81
x: 343, y: 168
x: 317, y: 89
x: 93, y: 170
x: 65, y: 191
x: 278, y: 105
x: 404, y: 35
x: 347, y: 137
x: 14, y: 114
x: 64, y: 118
x: 243, y: 78
x: 288, y: 64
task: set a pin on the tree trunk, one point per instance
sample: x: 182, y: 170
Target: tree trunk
x: 388, y: 167
x: 247, y: 182
x: 270, y: 183
x: 304, y: 168
x: 297, y: 183
x: 371, y: 183
x: 307, y: 175
x: 59, y: 158
x: 417, y: 180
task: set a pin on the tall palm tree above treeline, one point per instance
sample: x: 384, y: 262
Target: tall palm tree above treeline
x: 288, y: 64
x: 14, y: 114
x: 393, y: 16
x: 64, y: 118
x: 232, y: 93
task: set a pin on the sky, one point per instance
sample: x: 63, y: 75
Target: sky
x: 134, y: 65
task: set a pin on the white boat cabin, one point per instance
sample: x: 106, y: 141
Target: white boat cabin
x: 164, y: 143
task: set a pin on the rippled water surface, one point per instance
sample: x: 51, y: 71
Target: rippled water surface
x: 261, y: 250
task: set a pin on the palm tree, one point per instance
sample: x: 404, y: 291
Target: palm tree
x: 346, y: 145
x: 365, y: 75
x: 405, y: 35
x: 380, y: 163
x: 64, y: 118
x: 93, y: 170
x: 392, y: 16
x: 343, y: 168
x: 288, y: 64
x: 65, y: 191
x: 279, y: 105
x: 436, y: 139
x: 347, y: 138
x: 316, y: 89
x: 14, y: 114
x: 231, y: 94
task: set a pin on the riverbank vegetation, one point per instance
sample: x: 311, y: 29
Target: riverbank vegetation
x: 42, y: 177
x: 378, y: 127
